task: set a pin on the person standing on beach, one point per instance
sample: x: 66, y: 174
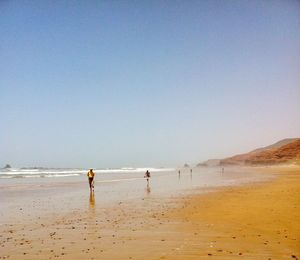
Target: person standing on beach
x: 147, y: 175
x: 91, y: 176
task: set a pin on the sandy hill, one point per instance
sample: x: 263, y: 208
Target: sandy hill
x: 277, y: 145
x: 210, y: 162
x: 284, y: 151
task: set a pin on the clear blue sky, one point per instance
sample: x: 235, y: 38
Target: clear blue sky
x: 145, y: 83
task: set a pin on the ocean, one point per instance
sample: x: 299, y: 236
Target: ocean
x: 42, y: 172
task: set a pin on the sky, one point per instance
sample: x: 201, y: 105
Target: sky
x: 145, y: 83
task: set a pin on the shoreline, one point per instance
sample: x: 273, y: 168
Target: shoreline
x: 254, y: 221
x: 248, y: 221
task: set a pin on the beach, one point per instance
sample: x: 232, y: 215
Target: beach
x: 150, y: 130
x: 186, y: 216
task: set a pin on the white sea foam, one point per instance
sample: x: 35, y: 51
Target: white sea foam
x: 61, y: 175
x: 132, y: 170
x: 55, y: 172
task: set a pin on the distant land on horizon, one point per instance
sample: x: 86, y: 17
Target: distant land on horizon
x: 285, y: 151
x: 282, y: 152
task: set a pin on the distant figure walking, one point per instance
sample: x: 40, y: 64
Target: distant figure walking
x: 91, y: 176
x: 147, y: 175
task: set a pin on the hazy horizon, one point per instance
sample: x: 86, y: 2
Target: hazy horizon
x: 190, y: 164
x: 152, y: 83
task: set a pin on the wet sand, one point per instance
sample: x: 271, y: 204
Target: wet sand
x: 252, y: 221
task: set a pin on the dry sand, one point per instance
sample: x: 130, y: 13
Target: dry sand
x: 254, y: 221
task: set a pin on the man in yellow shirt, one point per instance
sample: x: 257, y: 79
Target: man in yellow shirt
x: 91, y: 175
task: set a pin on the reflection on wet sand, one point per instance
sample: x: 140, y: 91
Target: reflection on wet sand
x: 148, y: 189
x: 92, y: 200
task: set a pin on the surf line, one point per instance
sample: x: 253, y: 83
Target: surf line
x: 119, y: 180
